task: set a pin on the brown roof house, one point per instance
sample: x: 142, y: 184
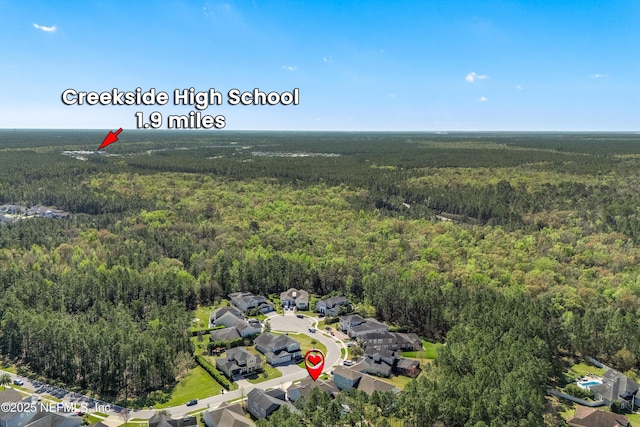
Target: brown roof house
x: 589, y: 417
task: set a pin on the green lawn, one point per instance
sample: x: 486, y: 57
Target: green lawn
x: 582, y: 369
x: 399, y: 381
x: 9, y: 368
x: 134, y: 423
x: 579, y: 370
x: 429, y: 352
x: 197, y: 385
x: 343, y: 352
x: 202, y: 313
x: 92, y: 419
x: 200, y: 346
x: 270, y: 372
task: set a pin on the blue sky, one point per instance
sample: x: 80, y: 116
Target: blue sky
x: 429, y: 65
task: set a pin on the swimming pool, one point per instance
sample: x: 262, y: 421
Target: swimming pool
x: 587, y: 384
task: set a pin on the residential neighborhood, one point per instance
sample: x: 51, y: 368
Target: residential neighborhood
x: 381, y: 360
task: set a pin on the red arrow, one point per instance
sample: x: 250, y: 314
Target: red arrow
x: 110, y: 138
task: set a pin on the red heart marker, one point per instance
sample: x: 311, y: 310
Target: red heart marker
x: 314, y: 361
x: 314, y: 358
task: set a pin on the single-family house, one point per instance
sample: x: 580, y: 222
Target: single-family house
x: 248, y: 328
x: 348, y: 322
x: 332, y: 305
x: 296, y: 391
x: 346, y: 379
x: 227, y: 415
x: 261, y: 403
x: 238, y: 361
x: 382, y: 362
x: 590, y: 417
x: 381, y: 355
x: 14, y: 418
x: 617, y: 387
x: 226, y: 316
x: 278, y: 349
x: 224, y: 334
x: 379, y: 363
x: 379, y: 340
x: 161, y: 420
x: 407, y: 342
x: 370, y: 325
x: 246, y: 301
x: 235, y: 327
x: 53, y: 419
x: 295, y: 298
x: 369, y: 385
x: 372, y: 367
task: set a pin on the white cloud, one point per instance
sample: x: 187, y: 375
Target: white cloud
x: 45, y: 29
x: 598, y: 76
x: 392, y: 95
x: 290, y: 67
x: 518, y: 87
x: 483, y: 99
x: 473, y: 76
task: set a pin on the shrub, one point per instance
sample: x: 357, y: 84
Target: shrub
x: 578, y: 392
x: 215, y: 374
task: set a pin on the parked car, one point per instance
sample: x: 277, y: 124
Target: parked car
x: 18, y: 382
x: 299, y: 316
x: 312, y: 330
x: 350, y: 344
x: 192, y: 402
x: 347, y: 363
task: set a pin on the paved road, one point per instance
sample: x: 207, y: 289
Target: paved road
x: 288, y: 322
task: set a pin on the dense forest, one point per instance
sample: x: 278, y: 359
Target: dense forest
x: 517, y: 249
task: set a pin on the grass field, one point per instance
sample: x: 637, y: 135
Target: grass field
x: 9, y: 368
x: 202, y: 313
x: 581, y: 369
x: 399, y: 381
x: 197, y: 385
x: 92, y: 419
x: 429, y: 352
